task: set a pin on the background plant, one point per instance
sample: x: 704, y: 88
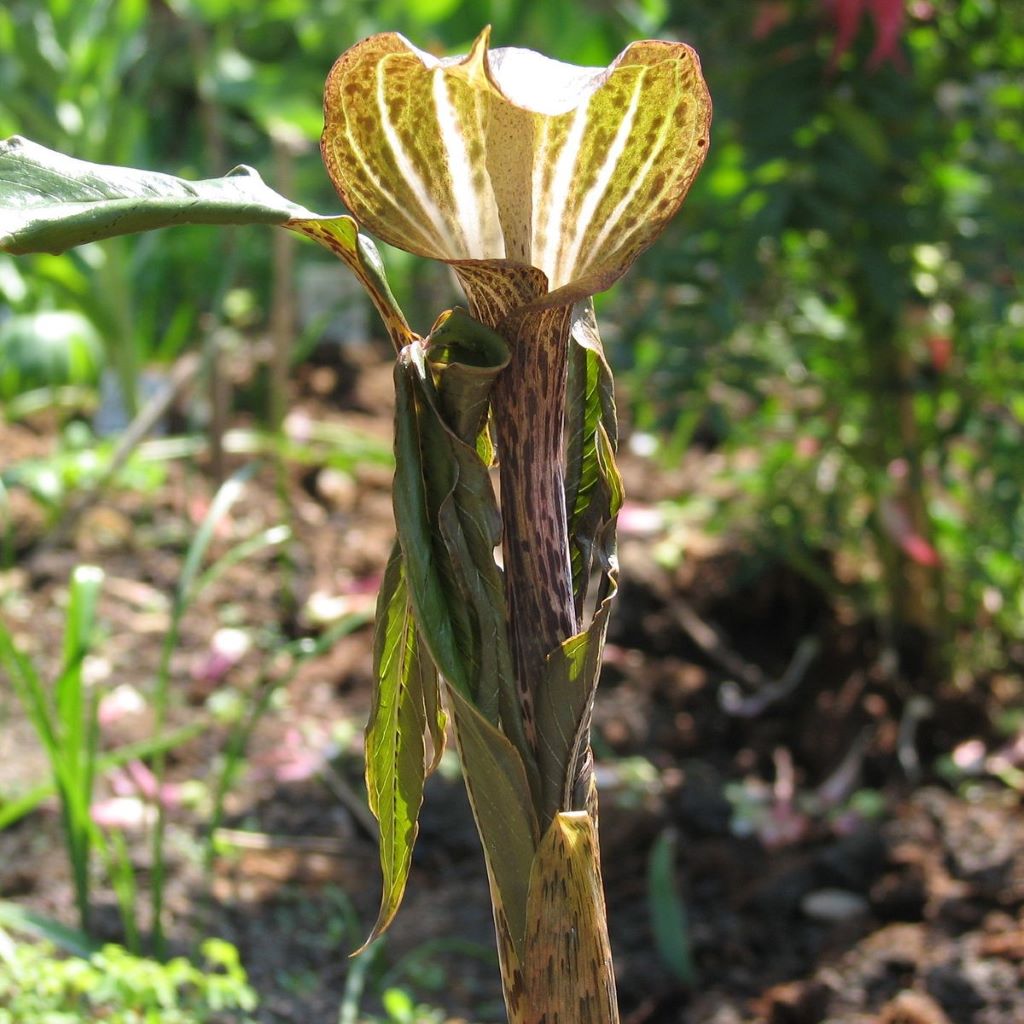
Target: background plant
x: 855, y: 317
x: 738, y: 344
x: 37, y: 985
x: 65, y: 718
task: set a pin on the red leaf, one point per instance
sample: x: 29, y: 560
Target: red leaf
x: 940, y: 348
x: 888, y: 17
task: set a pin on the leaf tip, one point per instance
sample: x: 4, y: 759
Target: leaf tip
x: 374, y: 935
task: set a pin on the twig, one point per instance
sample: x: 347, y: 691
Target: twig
x: 915, y: 711
x: 182, y: 373
x: 244, y: 839
x: 710, y: 640
x: 843, y: 780
x: 732, y: 700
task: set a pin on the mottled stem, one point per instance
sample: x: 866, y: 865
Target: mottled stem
x: 529, y: 410
x: 529, y: 406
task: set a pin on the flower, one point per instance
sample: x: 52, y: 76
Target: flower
x: 506, y: 155
x: 539, y: 183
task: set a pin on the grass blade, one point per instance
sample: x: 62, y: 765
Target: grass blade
x: 16, y: 808
x: 228, y: 493
x: 28, y: 922
x: 668, y: 912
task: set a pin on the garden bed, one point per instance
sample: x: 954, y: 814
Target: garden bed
x: 828, y: 869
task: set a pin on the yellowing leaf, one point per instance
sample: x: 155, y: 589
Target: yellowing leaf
x: 566, y: 976
x: 405, y: 708
x: 342, y: 236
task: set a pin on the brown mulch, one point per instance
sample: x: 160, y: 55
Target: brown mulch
x: 882, y: 894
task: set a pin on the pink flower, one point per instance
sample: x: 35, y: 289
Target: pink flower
x: 294, y: 759
x: 136, y: 780
x: 898, y: 526
x: 127, y: 813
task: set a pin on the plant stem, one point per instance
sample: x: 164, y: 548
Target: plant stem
x: 529, y: 404
x: 567, y: 964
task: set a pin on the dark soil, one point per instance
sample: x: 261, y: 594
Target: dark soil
x: 829, y: 871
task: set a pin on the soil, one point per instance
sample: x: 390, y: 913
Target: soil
x: 830, y: 865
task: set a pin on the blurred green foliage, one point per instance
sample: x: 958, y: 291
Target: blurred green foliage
x: 37, y: 986
x: 39, y: 350
x: 841, y: 294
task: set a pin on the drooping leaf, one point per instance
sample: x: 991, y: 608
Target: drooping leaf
x: 50, y: 202
x: 443, y: 625
x: 447, y: 518
x: 405, y: 708
x: 448, y: 528
x: 568, y: 962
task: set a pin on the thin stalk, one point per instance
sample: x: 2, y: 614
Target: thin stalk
x: 286, y: 147
x: 116, y: 288
x: 190, y: 583
x: 64, y: 718
x: 355, y: 983
x: 122, y: 877
x: 160, y: 706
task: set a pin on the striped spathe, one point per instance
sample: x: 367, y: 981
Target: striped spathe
x: 507, y: 155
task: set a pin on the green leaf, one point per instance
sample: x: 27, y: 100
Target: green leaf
x: 499, y: 794
x: 668, y: 912
x: 468, y: 356
x: 564, y: 702
x: 447, y: 517
x: 593, y: 488
x: 397, y: 761
x: 435, y: 616
x: 28, y: 922
x: 50, y: 202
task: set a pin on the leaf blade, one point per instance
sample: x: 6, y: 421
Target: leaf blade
x: 502, y: 803
x: 50, y: 202
x: 404, y: 710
